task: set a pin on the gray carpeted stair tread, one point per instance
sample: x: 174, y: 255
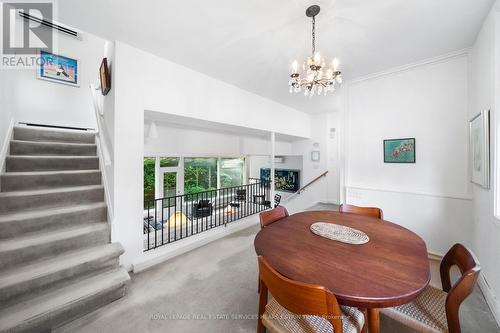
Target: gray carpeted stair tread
x: 50, y: 237
x: 29, y: 278
x: 32, y: 180
x: 44, y: 220
x: 55, y: 308
x: 56, y: 259
x: 48, y: 198
x: 18, y: 147
x: 49, y: 190
x: 25, y: 215
x: 18, y: 163
x: 27, y: 133
x: 49, y: 172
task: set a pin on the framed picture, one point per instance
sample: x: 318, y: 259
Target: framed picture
x: 285, y: 180
x: 479, y: 136
x: 105, y: 77
x: 57, y: 68
x: 399, y: 150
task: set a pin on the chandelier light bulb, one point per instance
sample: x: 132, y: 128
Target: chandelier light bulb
x: 295, y: 66
x: 329, y: 74
x: 335, y: 64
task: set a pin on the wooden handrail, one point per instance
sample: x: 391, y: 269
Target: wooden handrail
x: 305, y: 186
x: 311, y: 182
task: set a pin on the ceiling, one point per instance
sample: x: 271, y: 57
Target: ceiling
x: 251, y: 43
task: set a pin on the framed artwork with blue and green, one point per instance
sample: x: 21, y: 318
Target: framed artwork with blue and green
x: 399, y: 150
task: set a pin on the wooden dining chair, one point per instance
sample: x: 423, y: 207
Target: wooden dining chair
x: 297, y: 307
x: 437, y: 310
x: 366, y: 211
x: 271, y: 216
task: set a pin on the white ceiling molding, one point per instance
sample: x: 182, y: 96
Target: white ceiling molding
x: 430, y: 61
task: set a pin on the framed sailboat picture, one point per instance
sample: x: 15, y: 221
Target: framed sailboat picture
x: 479, y: 136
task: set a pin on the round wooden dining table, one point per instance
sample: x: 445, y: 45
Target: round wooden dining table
x: 391, y: 269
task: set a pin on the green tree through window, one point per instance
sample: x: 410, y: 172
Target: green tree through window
x: 231, y: 172
x: 200, y: 174
x: 149, y: 181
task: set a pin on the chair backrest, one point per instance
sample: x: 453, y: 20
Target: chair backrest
x: 277, y: 200
x: 298, y: 297
x: 469, y: 267
x: 366, y: 211
x: 273, y: 215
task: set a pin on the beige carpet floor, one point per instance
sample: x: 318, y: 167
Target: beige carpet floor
x: 214, y: 289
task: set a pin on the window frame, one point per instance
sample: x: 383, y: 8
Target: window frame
x: 180, y: 167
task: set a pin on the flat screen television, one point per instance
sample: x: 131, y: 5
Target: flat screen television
x: 286, y: 180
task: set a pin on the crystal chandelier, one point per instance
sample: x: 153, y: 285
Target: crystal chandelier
x: 315, y: 78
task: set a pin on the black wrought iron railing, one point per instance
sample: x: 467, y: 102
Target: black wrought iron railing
x: 170, y: 219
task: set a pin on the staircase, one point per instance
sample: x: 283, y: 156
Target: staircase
x: 56, y: 259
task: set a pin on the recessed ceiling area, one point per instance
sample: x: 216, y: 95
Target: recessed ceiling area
x: 252, y: 43
x: 193, y: 123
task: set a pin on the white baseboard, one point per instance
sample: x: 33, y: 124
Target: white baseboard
x: 166, y: 252
x: 5, y: 145
x: 329, y: 202
x: 490, y: 297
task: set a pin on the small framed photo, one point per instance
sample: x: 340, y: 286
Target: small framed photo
x: 399, y: 150
x: 479, y: 136
x: 105, y: 77
x: 57, y: 68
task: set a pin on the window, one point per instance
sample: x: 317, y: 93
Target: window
x: 231, y: 171
x: 149, y: 180
x: 200, y: 174
x: 169, y: 162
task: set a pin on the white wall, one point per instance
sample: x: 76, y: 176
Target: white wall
x: 318, y: 191
x: 427, y: 101
x: 178, y: 140
x: 44, y: 102
x: 6, y: 116
x: 146, y: 82
x: 484, y: 92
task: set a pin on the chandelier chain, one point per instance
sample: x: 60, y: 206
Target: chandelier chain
x: 313, y: 35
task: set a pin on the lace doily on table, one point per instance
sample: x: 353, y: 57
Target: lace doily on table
x: 339, y: 233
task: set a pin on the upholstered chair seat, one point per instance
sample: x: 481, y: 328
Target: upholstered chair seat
x: 279, y: 320
x: 437, y: 310
x: 425, y: 314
